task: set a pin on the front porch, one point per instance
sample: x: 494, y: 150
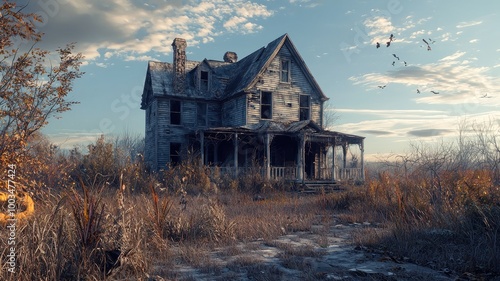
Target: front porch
x: 298, y: 151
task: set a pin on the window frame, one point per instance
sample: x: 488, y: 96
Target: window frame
x: 179, y: 113
x: 204, y: 84
x: 287, y: 70
x: 302, y: 107
x: 266, y: 105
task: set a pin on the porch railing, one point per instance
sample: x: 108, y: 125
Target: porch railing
x: 283, y: 173
x: 341, y: 174
x: 345, y: 174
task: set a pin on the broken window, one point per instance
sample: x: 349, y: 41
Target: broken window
x: 201, y: 114
x: 175, y: 153
x: 285, y: 71
x: 266, y: 109
x: 204, y: 80
x: 305, y: 107
x: 175, y: 112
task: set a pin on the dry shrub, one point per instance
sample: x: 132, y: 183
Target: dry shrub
x: 448, y: 220
x: 188, y: 177
x: 43, y: 247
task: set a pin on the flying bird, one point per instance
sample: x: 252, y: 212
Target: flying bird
x: 394, y: 55
x: 391, y: 38
x: 405, y: 63
x: 378, y: 45
x: 432, y: 41
x: 388, y: 43
x: 418, y: 91
x: 486, y: 96
x: 436, y: 93
x: 381, y: 87
x: 393, y: 63
x: 428, y: 46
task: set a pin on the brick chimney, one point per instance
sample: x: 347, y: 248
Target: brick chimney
x: 231, y: 57
x: 179, y: 80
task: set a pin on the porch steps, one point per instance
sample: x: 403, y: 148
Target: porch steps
x: 319, y: 186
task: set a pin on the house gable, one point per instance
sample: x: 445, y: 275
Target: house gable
x: 295, y: 94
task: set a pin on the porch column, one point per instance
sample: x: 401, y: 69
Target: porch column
x: 300, y: 158
x: 344, y: 152
x: 333, y: 163
x: 235, y: 144
x: 202, y: 148
x: 267, y: 162
x: 320, y: 161
x: 362, y: 149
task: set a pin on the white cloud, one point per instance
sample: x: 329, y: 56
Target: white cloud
x: 100, y: 64
x: 473, y: 41
x: 454, y: 77
x: 468, y: 23
x: 137, y: 29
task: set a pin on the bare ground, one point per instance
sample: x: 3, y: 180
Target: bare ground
x: 324, y: 253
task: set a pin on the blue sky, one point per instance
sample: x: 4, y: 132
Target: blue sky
x: 335, y: 38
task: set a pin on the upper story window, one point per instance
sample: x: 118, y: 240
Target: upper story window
x: 201, y: 114
x: 175, y: 112
x: 285, y: 71
x: 266, y: 106
x: 305, y: 107
x: 204, y: 79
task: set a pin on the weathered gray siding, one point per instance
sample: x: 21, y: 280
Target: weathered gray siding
x: 214, y: 115
x: 285, y: 95
x: 234, y: 111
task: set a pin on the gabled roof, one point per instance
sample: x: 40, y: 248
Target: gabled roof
x: 233, y: 78
x: 253, y: 65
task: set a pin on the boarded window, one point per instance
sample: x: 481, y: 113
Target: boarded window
x: 204, y: 80
x: 285, y: 71
x: 266, y: 107
x: 305, y: 107
x: 175, y: 153
x: 175, y: 112
x: 201, y: 114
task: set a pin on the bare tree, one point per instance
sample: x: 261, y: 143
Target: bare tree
x: 330, y: 116
x: 33, y: 88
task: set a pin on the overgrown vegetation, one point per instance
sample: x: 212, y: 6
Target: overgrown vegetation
x: 430, y: 207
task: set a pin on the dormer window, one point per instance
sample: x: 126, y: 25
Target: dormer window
x: 204, y: 79
x: 285, y: 71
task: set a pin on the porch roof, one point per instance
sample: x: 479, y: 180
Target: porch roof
x: 296, y: 128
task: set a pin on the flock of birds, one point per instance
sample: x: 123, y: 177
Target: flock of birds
x: 388, y: 44
x: 428, y: 44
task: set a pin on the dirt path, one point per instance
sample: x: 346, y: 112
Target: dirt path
x: 321, y: 254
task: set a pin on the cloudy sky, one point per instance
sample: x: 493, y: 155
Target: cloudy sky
x: 392, y: 95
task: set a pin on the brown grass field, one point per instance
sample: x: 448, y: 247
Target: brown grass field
x: 98, y: 233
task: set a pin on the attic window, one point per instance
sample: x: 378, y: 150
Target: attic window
x: 175, y: 112
x: 305, y: 107
x: 204, y: 80
x: 266, y: 107
x: 285, y: 71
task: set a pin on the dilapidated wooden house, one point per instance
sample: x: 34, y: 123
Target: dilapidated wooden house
x: 264, y: 110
